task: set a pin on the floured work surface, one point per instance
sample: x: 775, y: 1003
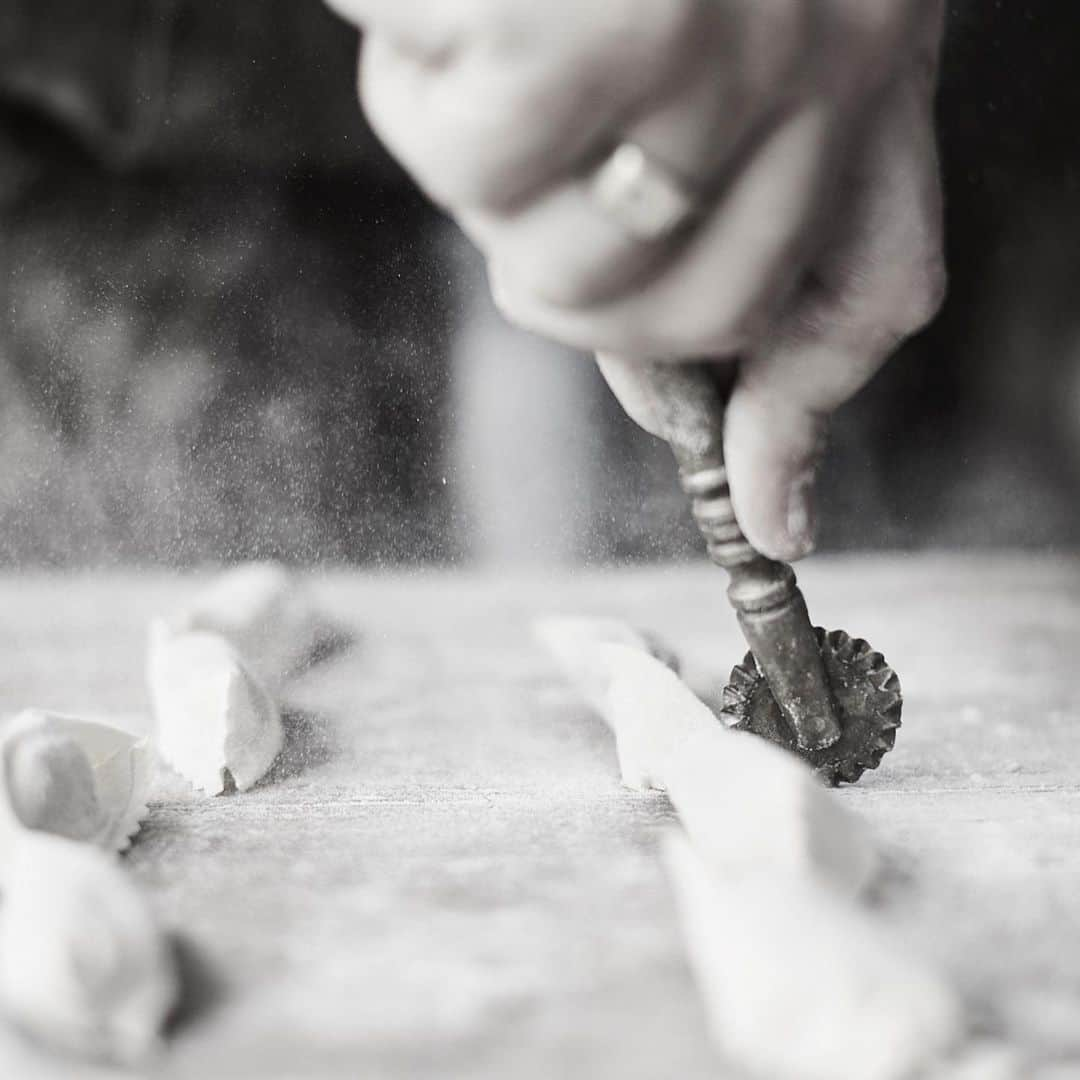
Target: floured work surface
x: 443, y: 876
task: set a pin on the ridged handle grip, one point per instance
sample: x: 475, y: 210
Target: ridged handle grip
x: 710, y: 503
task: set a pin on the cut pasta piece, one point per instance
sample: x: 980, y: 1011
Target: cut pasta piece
x: 83, y: 965
x: 214, y: 719
x: 267, y: 615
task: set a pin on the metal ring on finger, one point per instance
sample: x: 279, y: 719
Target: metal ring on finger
x: 643, y: 196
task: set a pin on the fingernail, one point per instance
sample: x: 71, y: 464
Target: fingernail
x: 800, y: 514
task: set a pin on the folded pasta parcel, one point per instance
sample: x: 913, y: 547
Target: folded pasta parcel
x: 84, y: 967
x: 83, y: 779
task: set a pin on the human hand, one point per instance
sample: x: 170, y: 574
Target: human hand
x: 879, y: 278
x: 802, y: 126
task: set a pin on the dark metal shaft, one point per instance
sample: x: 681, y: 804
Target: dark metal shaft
x: 688, y: 403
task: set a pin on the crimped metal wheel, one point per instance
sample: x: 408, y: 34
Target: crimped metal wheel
x: 868, y: 702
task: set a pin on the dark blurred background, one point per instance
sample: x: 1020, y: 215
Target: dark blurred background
x: 232, y: 329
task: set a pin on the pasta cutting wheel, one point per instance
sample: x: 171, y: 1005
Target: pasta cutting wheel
x: 866, y: 694
x: 826, y: 696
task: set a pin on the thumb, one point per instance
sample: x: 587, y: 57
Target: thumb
x: 880, y: 280
x: 773, y: 447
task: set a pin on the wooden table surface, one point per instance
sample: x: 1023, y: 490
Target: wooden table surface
x: 445, y: 877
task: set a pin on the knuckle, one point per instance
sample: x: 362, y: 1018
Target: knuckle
x: 921, y: 297
x: 936, y: 284
x: 507, y: 299
x: 436, y: 128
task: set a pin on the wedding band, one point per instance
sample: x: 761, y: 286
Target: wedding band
x: 641, y: 195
